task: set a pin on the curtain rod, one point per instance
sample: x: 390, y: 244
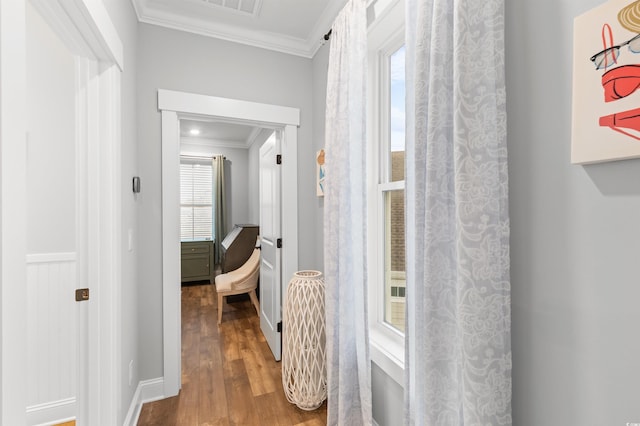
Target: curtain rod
x: 327, y: 36
x: 201, y: 157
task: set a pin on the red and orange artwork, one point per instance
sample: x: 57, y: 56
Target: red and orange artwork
x: 606, y: 99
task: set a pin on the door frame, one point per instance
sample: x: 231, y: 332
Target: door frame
x: 173, y: 105
x: 270, y: 258
x: 86, y: 28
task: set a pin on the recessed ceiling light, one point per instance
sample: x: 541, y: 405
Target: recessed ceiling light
x: 194, y: 132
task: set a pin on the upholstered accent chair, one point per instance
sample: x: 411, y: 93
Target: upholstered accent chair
x: 240, y: 281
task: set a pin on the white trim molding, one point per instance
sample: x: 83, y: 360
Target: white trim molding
x: 304, y: 47
x: 13, y: 205
x: 385, y: 354
x: 86, y: 29
x: 385, y: 36
x: 147, y: 391
x: 173, y: 105
x: 171, y: 310
x: 233, y: 110
x: 52, y: 412
x: 216, y: 143
x: 51, y: 257
x: 92, y: 20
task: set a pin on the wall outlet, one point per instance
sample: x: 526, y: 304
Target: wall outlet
x: 130, y: 372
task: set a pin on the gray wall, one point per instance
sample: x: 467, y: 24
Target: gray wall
x: 387, y: 398
x: 575, y: 241
x: 125, y: 21
x: 181, y: 61
x: 320, y: 68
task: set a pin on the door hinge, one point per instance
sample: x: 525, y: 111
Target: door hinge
x: 279, y: 327
x: 279, y: 159
x: 279, y: 243
x: 82, y: 294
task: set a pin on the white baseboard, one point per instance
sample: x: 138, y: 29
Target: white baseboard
x: 52, y: 412
x: 147, y: 391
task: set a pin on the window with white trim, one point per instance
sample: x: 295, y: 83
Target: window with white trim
x: 196, y: 201
x: 386, y: 221
x: 391, y: 188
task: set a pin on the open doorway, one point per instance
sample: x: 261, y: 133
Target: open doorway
x: 175, y: 106
x: 219, y: 197
x: 218, y: 190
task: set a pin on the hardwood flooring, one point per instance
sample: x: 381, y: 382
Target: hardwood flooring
x: 229, y: 376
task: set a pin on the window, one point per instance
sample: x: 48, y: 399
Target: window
x: 391, y: 189
x: 386, y: 221
x: 196, y: 185
x: 388, y: 188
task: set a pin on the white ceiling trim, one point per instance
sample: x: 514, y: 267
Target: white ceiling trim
x: 254, y: 134
x: 323, y: 25
x: 262, y: 39
x: 216, y: 143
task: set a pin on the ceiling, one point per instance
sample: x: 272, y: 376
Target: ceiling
x: 231, y: 135
x: 296, y: 27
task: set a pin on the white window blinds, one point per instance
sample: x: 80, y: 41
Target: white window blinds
x: 195, y: 201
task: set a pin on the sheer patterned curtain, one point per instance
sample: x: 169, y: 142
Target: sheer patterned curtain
x: 219, y: 206
x: 458, y: 348
x: 348, y: 362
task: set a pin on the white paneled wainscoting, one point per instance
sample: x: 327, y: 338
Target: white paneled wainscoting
x: 52, y: 335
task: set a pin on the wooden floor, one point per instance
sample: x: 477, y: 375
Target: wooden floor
x: 229, y: 376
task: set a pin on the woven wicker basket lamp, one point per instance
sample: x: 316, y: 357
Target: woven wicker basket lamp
x: 304, y: 362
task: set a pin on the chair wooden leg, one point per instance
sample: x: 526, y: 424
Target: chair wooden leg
x: 220, y: 305
x: 254, y: 299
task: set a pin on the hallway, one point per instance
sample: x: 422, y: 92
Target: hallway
x: 229, y: 376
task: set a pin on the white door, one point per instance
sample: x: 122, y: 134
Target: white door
x: 56, y: 228
x: 61, y: 195
x: 270, y: 234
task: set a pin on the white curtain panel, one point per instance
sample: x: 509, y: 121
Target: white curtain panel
x: 458, y: 348
x: 348, y: 362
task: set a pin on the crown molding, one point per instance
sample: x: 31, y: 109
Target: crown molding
x: 253, y: 136
x: 216, y: 143
x: 323, y: 25
x: 138, y: 5
x: 260, y: 39
x: 305, y: 48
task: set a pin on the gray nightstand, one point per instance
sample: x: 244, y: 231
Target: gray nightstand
x: 197, y: 261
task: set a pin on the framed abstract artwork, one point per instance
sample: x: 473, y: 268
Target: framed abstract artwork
x: 606, y: 78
